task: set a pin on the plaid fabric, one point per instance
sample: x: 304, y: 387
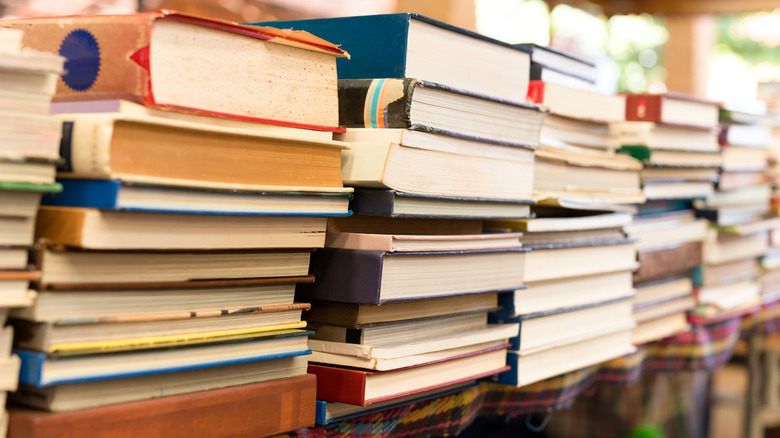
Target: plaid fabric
x: 620, y: 388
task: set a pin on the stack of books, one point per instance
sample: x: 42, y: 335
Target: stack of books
x: 579, y: 269
x: 169, y: 262
x: 669, y: 241
x: 28, y: 154
x: 438, y: 142
x: 676, y: 138
x: 576, y: 157
x: 739, y: 213
x: 576, y: 310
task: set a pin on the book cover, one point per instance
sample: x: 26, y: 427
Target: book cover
x: 358, y: 387
x: 42, y: 369
x: 672, y: 109
x: 287, y: 404
x: 110, y: 56
x: 656, y: 263
x: 409, y: 42
x: 356, y: 276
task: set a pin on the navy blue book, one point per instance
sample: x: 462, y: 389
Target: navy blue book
x: 391, y: 203
x: 408, y: 45
x: 119, y: 195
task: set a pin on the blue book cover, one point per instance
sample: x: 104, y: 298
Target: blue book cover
x: 35, y: 365
x: 409, y: 45
x: 106, y: 195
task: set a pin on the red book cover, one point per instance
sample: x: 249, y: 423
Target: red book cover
x: 108, y: 57
x: 644, y: 107
x: 535, y: 92
x: 348, y: 385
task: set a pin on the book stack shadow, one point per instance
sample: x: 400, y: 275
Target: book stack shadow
x: 168, y: 263
x: 28, y: 156
x: 438, y: 143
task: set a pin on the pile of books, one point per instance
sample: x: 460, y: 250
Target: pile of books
x: 576, y: 311
x: 675, y: 137
x: 28, y: 154
x: 169, y: 262
x: 438, y: 142
x: 738, y: 213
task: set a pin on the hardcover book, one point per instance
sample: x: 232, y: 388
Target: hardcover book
x: 672, y: 108
x: 364, y: 388
x: 375, y: 277
x: 578, y: 104
x: 106, y: 229
x: 407, y: 103
x: 391, y: 203
x: 162, y: 150
x: 561, y: 61
x: 437, y: 164
x: 41, y: 369
x: 97, y: 393
x: 415, y: 46
x: 199, y: 65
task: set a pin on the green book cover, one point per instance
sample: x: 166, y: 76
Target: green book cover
x: 30, y: 187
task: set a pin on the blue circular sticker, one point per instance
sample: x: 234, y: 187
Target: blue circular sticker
x: 82, y: 66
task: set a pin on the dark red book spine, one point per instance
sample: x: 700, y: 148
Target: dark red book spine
x: 643, y: 107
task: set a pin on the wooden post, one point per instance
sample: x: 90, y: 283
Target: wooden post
x: 688, y: 52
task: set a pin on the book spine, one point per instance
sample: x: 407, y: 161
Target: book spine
x: 31, y: 372
x: 88, y: 193
x: 337, y: 384
x: 85, y: 146
x: 286, y: 404
x: 643, y: 107
x: 350, y: 276
x: 536, y: 92
x: 376, y: 103
x: 107, y: 58
x: 373, y: 202
x: 61, y: 225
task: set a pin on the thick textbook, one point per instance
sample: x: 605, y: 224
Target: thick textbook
x: 391, y: 203
x: 119, y: 195
x: 123, y: 230
x: 165, y: 150
x: 673, y: 109
x: 41, y: 369
x: 417, y: 46
x: 375, y: 277
x: 286, y: 404
x: 361, y: 387
x: 409, y: 102
x: 182, y: 62
x: 436, y: 164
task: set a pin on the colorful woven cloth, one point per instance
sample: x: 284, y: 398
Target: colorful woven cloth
x: 612, y: 386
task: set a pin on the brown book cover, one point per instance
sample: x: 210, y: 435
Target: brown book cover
x: 663, y: 262
x: 255, y: 410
